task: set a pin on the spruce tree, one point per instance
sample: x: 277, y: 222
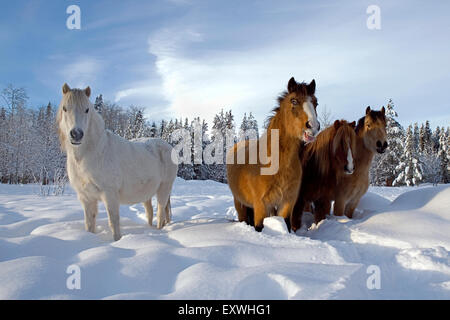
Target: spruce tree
x: 428, y: 147
x: 153, y: 130
x: 99, y: 105
x: 443, y: 155
x: 410, y: 169
x: 253, y: 124
x: 416, y: 137
x: 422, y: 140
x: 383, y: 169
x: 436, y: 140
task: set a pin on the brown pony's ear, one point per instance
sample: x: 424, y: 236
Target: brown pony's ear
x: 311, y: 88
x: 383, y: 111
x: 292, y: 85
x: 353, y: 124
x: 87, y: 91
x: 367, y: 110
x: 337, y: 124
x: 65, y: 88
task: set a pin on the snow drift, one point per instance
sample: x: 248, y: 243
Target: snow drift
x: 205, y: 254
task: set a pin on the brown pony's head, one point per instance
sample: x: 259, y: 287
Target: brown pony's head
x: 297, y: 108
x: 372, y: 127
x: 344, y: 146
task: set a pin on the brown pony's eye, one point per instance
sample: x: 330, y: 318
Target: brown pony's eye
x: 87, y: 110
x: 64, y: 109
x: 294, y: 101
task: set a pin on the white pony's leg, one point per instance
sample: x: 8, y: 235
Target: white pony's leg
x: 112, y: 208
x: 90, y: 214
x: 162, y: 196
x: 168, y: 211
x: 149, y: 211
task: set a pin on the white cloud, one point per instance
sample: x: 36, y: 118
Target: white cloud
x: 82, y: 72
x: 241, y: 80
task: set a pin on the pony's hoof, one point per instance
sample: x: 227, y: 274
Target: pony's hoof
x: 117, y: 237
x: 258, y: 228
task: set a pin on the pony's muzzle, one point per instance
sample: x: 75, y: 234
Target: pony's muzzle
x: 381, y: 147
x: 311, y: 131
x: 313, y: 127
x: 348, y: 170
x: 76, y: 135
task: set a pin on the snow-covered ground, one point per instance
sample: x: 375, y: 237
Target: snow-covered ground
x: 404, y: 233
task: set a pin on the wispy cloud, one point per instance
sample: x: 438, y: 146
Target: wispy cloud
x: 82, y: 71
x: 244, y: 81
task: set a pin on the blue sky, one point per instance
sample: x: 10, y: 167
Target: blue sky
x: 190, y: 58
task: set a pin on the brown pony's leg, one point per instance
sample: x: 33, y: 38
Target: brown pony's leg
x: 339, y: 205
x: 350, y: 208
x: 285, y: 211
x: 250, y: 216
x: 296, y: 217
x: 241, y: 210
x: 322, y: 207
x: 260, y: 213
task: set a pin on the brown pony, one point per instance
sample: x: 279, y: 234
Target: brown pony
x: 370, y: 138
x: 263, y: 192
x: 326, y: 161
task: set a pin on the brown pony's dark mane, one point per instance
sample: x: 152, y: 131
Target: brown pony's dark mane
x: 320, y: 150
x: 360, y: 124
x: 323, y: 148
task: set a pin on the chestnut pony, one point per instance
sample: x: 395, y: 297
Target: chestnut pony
x: 254, y: 189
x: 370, y: 138
x: 325, y: 162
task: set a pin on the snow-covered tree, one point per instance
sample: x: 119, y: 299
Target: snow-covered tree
x: 223, y: 136
x: 410, y: 168
x: 253, y: 124
x: 435, y: 140
x: 416, y: 137
x: 153, y: 130
x: 244, y: 127
x: 383, y: 170
x: 136, y: 123
x: 444, y: 157
x: 99, y: 105
x: 427, y: 139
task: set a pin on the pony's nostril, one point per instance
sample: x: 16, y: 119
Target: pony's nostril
x: 308, y: 125
x: 385, y: 145
x: 379, y: 145
x: 76, y: 134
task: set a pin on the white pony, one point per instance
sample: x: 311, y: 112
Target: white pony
x: 105, y: 167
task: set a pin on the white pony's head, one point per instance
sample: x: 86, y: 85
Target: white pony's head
x: 74, y: 115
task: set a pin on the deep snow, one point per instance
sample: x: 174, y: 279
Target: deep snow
x: 203, y: 254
